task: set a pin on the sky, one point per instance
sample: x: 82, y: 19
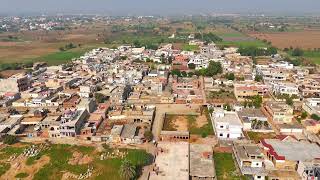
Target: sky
x: 159, y: 7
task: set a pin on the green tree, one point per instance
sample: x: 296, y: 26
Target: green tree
x: 315, y: 117
x: 214, y: 68
x: 100, y: 97
x: 148, y: 135
x: 191, y: 66
x: 256, y: 101
x: 304, y: 115
x: 230, y: 76
x: 258, y: 78
x: 297, y: 52
x: 9, y: 139
x: 127, y: 170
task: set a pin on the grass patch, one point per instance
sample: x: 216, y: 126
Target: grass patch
x: 225, y: 167
x: 187, y: 47
x: 21, y: 175
x: 257, y: 136
x: 60, y: 155
x: 254, y: 43
x: 205, y: 130
x: 61, y: 57
x: 6, y: 152
x: 314, y: 56
x: 4, y: 167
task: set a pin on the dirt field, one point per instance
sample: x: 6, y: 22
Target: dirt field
x: 307, y: 39
x: 19, y: 165
x: 34, y: 44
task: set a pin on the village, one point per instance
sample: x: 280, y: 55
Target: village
x: 186, y: 108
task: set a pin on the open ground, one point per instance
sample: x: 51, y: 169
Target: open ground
x: 60, y: 161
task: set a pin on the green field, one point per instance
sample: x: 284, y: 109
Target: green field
x: 60, y: 57
x: 254, y: 43
x: 60, y: 155
x: 314, y: 56
x: 225, y: 167
x: 187, y: 47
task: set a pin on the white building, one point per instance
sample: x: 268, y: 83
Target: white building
x: 312, y: 106
x: 285, y: 88
x: 227, y: 124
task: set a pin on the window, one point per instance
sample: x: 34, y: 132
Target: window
x: 220, y: 134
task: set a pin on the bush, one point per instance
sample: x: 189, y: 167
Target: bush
x: 148, y: 135
x: 315, y: 117
x: 9, y: 139
x: 297, y: 52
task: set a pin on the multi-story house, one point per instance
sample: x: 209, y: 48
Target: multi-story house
x: 227, y: 125
x: 250, y: 159
x: 279, y: 111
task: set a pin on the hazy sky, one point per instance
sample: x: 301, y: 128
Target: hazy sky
x: 162, y: 7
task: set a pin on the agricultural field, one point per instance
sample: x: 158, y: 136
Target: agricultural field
x: 67, y: 162
x: 306, y: 39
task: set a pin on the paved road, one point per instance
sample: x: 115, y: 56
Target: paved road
x: 161, y: 109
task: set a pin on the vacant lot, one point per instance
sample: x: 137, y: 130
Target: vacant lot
x: 225, y: 167
x: 67, y: 162
x: 198, y: 125
x: 257, y: 136
x: 307, y: 39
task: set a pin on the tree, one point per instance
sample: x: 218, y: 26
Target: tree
x: 191, y: 66
x: 289, y: 101
x: 184, y: 74
x: 176, y: 72
x: 297, y: 52
x: 230, y: 76
x: 100, y: 97
x: 258, y: 78
x: 304, y: 115
x: 256, y: 101
x: 9, y: 139
x: 148, y: 135
x: 127, y: 170
x: 315, y: 117
x: 214, y: 68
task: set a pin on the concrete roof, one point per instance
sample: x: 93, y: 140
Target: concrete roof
x: 229, y: 117
x: 296, y: 151
x: 172, y: 161
x: 200, y: 164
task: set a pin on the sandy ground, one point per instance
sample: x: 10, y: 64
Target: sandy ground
x: 18, y: 165
x: 181, y: 123
x: 201, y: 121
x: 79, y: 159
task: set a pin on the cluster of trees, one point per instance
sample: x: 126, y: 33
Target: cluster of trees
x: 315, y: 117
x: 287, y: 97
x: 182, y: 73
x: 68, y: 46
x: 148, y: 45
x: 297, y: 52
x: 255, y: 51
x: 208, y: 37
x: 15, y: 66
x: 9, y: 139
x: 254, y: 101
x: 295, y: 62
x: 214, y: 68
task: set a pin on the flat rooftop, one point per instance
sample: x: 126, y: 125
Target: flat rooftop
x: 201, y: 161
x: 172, y: 161
x: 306, y: 151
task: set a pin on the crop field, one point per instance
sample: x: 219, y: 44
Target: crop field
x: 67, y: 162
x: 307, y: 39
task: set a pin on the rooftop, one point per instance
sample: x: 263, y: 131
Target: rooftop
x: 201, y: 162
